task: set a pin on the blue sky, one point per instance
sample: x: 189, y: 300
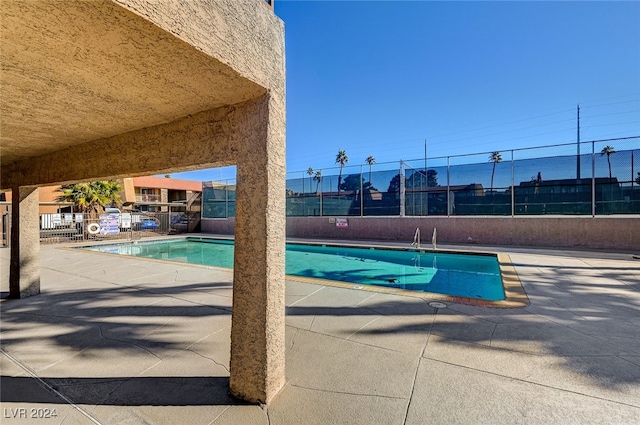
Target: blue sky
x: 379, y: 77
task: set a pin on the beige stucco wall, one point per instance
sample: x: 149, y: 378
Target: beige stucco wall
x: 198, y: 141
x: 616, y: 233
x: 24, y: 279
x: 99, y: 90
x: 101, y: 73
x: 258, y: 328
x: 236, y: 32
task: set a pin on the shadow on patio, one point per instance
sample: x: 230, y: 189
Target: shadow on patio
x: 585, y: 318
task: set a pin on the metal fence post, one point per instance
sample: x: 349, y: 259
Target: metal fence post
x: 513, y: 186
x: 401, y: 182
x: 449, y: 208
x: 361, y: 194
x: 593, y: 179
x: 321, y: 190
x: 426, y: 177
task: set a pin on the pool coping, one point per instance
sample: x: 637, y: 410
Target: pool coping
x: 515, y: 295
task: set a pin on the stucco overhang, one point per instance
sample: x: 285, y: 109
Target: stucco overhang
x: 77, y: 71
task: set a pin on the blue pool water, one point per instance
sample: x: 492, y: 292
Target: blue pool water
x: 465, y: 275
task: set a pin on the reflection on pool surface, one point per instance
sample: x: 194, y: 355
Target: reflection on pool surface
x: 464, y: 275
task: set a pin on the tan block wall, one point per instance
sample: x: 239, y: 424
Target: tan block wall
x: 616, y: 233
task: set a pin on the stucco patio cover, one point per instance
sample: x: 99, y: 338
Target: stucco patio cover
x: 106, y: 89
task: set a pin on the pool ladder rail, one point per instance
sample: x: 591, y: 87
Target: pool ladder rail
x: 434, y: 237
x: 416, y: 238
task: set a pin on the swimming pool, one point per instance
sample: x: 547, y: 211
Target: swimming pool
x: 463, y: 275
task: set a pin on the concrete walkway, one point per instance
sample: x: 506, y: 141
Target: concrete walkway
x: 113, y: 340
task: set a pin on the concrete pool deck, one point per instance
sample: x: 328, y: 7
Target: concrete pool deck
x: 113, y: 340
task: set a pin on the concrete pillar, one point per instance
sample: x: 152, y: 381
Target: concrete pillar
x: 257, y: 331
x: 24, y: 274
x: 164, y: 198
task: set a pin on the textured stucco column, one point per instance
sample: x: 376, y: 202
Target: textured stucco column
x: 24, y: 278
x: 164, y: 198
x: 257, y: 331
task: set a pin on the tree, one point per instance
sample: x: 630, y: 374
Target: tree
x: 318, y: 179
x: 608, y: 150
x: 351, y: 183
x: 370, y: 160
x: 638, y: 178
x: 310, y: 173
x: 341, y: 158
x: 495, y: 157
x: 416, y: 179
x: 92, y: 197
x: 394, y: 184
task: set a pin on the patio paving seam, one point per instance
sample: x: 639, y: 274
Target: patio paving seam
x: 268, y: 416
x: 150, y: 291
x: 293, y: 339
x: 346, y: 392
x: 209, y: 358
x: 495, y: 327
x: 123, y: 382
x: 127, y: 342
x: 601, y: 340
x: 580, y: 320
x: 49, y: 388
x: 348, y: 340
x: 40, y: 315
x: 366, y: 299
x: 566, y: 315
x: 629, y: 361
x: 484, y: 346
x: 188, y: 348
x: 218, y: 417
x: 362, y: 327
x: 306, y: 296
x: 413, y: 388
x: 415, y: 375
x: 312, y: 322
x: 64, y: 359
x: 534, y: 383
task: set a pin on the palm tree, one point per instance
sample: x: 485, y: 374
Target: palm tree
x: 370, y: 160
x: 341, y: 159
x: 318, y: 179
x: 608, y: 150
x: 310, y: 173
x: 92, y: 197
x: 495, y: 157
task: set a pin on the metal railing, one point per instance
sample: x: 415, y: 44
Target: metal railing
x: 145, y: 197
x: 75, y: 227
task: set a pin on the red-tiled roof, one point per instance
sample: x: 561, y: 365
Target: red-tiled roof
x: 167, y: 183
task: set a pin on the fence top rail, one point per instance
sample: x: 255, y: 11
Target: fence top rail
x: 530, y: 148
